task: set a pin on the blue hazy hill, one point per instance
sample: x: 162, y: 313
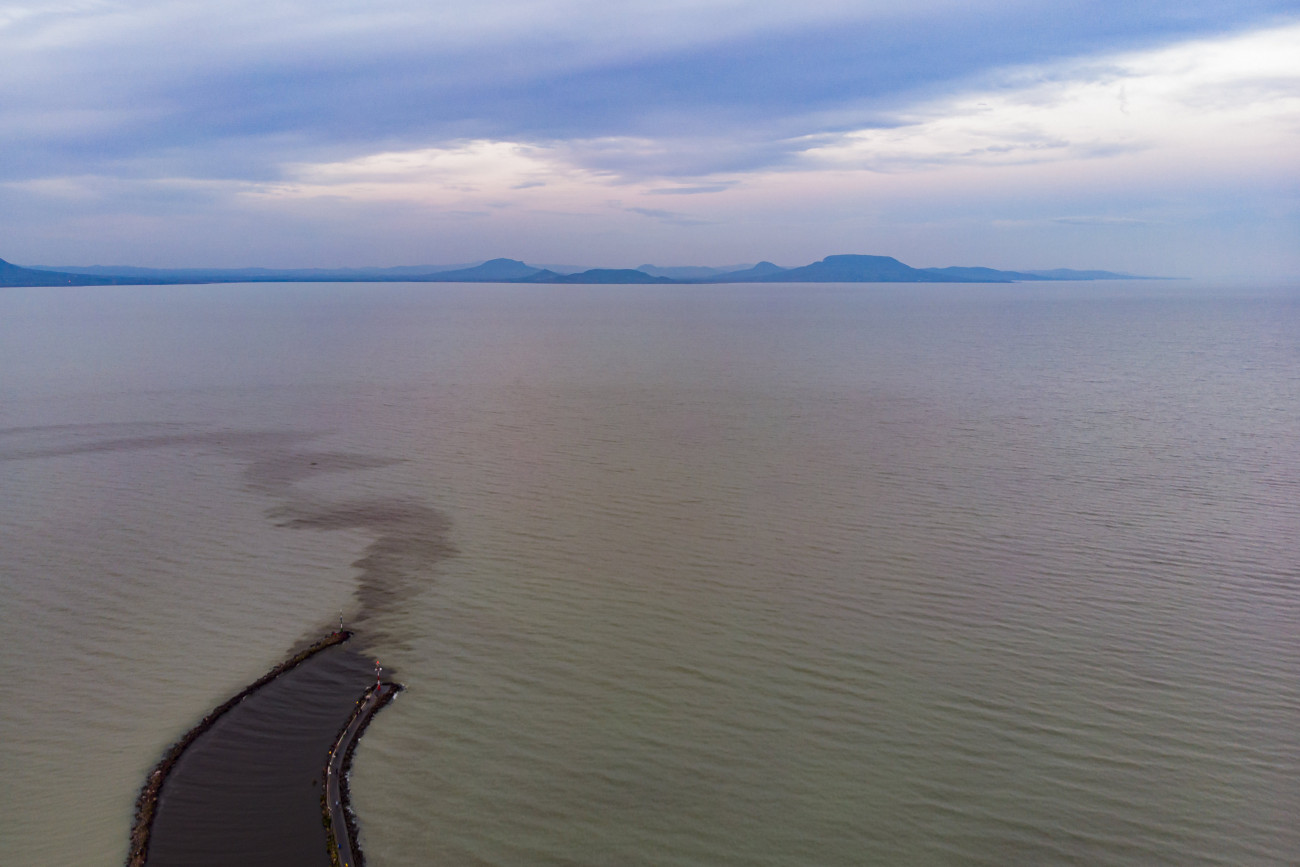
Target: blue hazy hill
x: 982, y: 275
x: 599, y: 275
x: 1072, y: 274
x: 491, y: 271
x: 14, y: 275
x: 859, y: 269
x: 692, y: 272
x: 848, y: 268
x: 253, y: 275
x: 762, y: 271
x: 993, y: 275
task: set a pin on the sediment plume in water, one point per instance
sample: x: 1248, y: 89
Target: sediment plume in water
x: 246, y: 789
x: 244, y: 786
x: 408, y: 538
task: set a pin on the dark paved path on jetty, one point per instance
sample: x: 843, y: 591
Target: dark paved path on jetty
x: 248, y: 790
x: 336, y: 768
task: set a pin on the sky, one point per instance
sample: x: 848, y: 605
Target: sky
x: 1147, y: 136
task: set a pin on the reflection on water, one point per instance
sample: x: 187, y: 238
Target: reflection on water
x: 674, y: 575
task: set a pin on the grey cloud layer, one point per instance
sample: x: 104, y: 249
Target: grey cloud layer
x: 157, y: 89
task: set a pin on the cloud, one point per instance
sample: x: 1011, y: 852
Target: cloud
x: 672, y: 218
x: 1099, y: 221
x: 1203, y: 99
x: 1190, y: 105
x: 696, y: 190
x: 92, y: 86
x: 459, y: 176
x: 367, y: 128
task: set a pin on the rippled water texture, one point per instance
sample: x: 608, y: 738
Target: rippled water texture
x: 719, y: 575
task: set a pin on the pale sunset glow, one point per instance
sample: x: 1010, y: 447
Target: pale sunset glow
x: 756, y: 130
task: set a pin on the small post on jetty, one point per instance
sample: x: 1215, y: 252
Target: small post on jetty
x: 378, y: 668
x: 340, y: 620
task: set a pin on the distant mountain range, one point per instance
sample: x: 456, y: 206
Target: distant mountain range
x: 832, y: 269
x: 13, y: 275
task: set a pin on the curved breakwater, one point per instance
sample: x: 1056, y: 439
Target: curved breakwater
x: 336, y: 808
x: 246, y: 784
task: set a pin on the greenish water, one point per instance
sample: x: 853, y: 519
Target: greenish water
x: 674, y: 575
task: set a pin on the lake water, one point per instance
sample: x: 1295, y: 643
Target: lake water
x: 683, y: 575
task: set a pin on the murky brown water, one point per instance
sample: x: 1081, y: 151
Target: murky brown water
x: 674, y: 575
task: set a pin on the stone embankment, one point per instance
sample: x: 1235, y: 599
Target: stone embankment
x: 146, y: 804
x: 336, y: 808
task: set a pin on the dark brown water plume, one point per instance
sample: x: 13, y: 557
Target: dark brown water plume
x: 409, y: 539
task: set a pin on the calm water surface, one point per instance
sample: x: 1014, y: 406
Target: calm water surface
x: 719, y: 575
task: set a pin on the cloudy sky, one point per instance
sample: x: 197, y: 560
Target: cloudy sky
x: 1156, y: 136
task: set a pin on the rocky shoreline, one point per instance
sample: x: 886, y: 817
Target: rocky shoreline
x: 347, y: 742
